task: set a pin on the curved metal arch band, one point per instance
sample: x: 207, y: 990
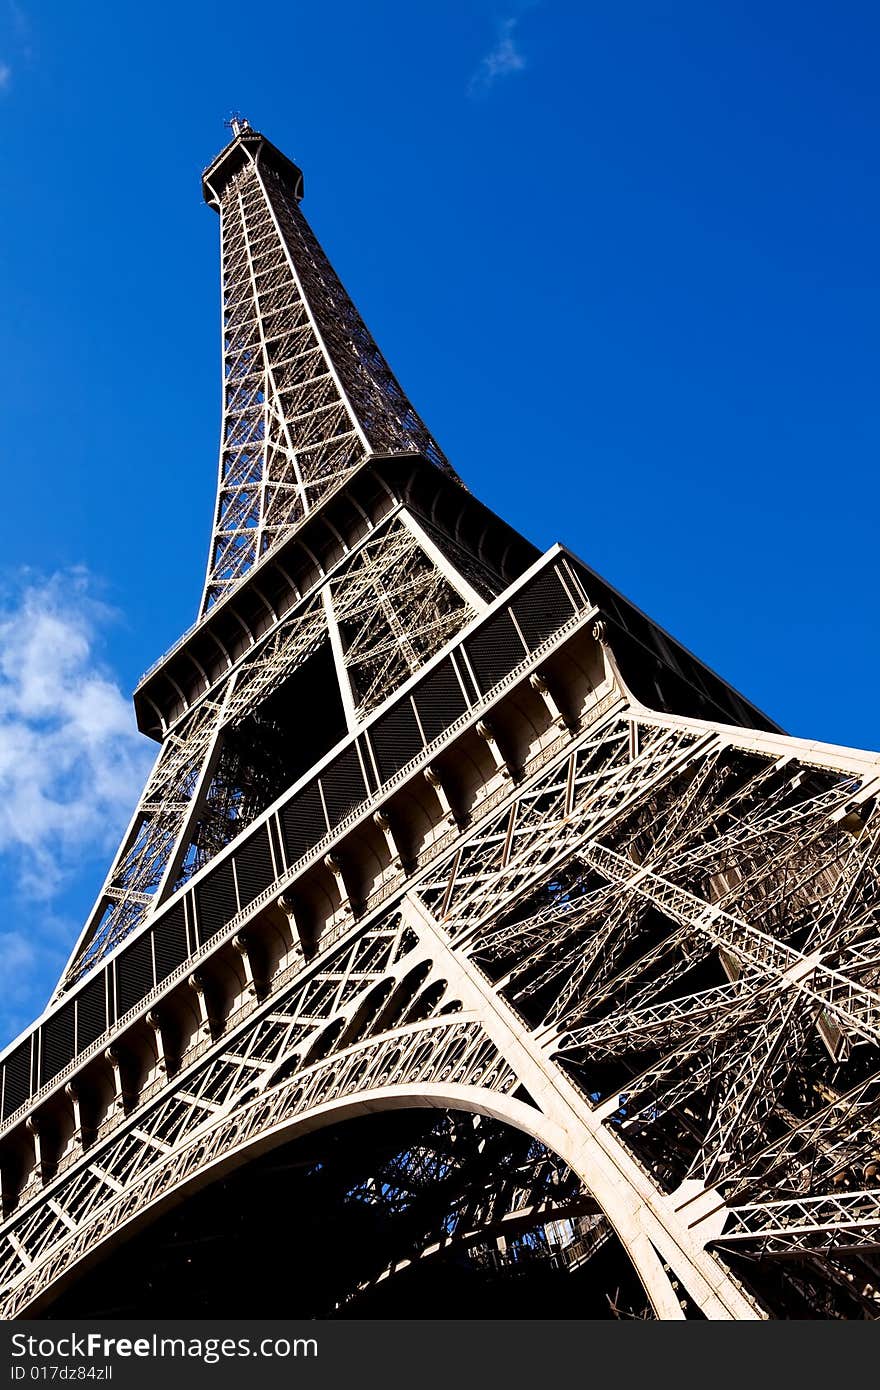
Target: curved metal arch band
x: 460, y: 1069
x: 233, y: 1142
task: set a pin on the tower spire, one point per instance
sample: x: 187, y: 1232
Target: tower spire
x: 307, y: 395
x: 447, y: 828
x: 313, y: 425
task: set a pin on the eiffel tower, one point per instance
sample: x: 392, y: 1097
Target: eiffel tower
x: 473, y: 947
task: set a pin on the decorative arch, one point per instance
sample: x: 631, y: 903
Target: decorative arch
x: 272, y: 1119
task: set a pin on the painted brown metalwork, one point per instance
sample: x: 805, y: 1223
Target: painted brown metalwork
x: 445, y: 830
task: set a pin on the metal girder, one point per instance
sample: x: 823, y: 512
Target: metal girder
x: 306, y: 392
x: 628, y: 959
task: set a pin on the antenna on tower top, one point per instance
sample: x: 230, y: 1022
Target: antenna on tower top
x: 237, y: 122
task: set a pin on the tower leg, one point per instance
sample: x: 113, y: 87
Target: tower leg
x: 645, y: 1221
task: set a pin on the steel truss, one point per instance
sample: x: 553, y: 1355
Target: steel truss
x: 626, y: 960
x: 307, y: 394
x: 389, y: 607
x: 713, y: 1095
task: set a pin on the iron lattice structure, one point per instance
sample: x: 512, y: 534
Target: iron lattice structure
x: 444, y: 833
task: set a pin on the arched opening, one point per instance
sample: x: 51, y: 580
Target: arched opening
x: 412, y: 1212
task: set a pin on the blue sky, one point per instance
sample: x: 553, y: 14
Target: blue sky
x: 622, y: 257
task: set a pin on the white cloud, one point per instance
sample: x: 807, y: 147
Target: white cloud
x: 5, y: 75
x: 501, y: 61
x: 71, y: 767
x: 71, y: 760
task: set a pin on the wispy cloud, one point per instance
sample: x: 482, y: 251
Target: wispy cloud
x: 20, y: 50
x: 71, y: 759
x: 504, y: 59
x: 71, y: 766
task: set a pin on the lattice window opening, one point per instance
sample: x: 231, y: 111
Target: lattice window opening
x: 395, y: 610
x: 626, y: 1045
x: 139, y: 865
x: 138, y: 876
x: 574, y: 983
x: 832, y: 1142
x: 239, y: 492
x: 244, y: 396
x: 796, y: 854
x: 555, y: 917
x: 774, y: 879
x: 116, y: 921
x: 243, y: 470
x: 265, y: 751
x: 142, y: 867
x: 468, y: 1171
x: 792, y: 878
x: 681, y: 984
x: 663, y: 826
x: 679, y: 1121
